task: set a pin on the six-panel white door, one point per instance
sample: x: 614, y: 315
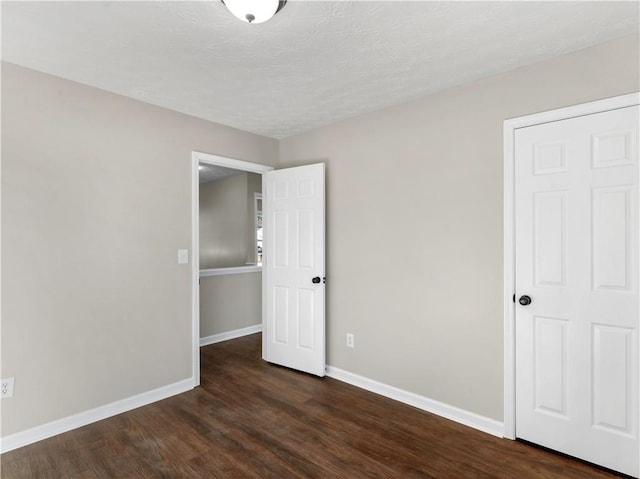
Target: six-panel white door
x: 577, y: 258
x: 293, y: 268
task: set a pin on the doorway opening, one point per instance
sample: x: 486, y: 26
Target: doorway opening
x: 237, y: 255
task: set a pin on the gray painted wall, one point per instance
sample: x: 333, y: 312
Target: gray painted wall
x: 223, y: 222
x: 96, y: 201
x: 414, y: 215
x: 226, y: 221
x: 230, y: 302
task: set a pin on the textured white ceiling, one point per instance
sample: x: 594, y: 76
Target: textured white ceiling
x: 207, y: 172
x: 314, y: 63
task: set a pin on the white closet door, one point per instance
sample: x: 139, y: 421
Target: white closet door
x: 577, y: 259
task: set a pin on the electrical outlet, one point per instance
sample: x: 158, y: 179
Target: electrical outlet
x: 6, y: 388
x: 350, y: 340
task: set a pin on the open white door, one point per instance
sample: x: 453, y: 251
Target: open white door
x: 577, y: 287
x: 293, y: 268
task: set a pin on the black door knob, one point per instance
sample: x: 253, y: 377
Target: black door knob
x: 316, y: 280
x: 525, y: 300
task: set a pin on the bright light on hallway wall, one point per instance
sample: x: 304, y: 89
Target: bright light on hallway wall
x: 254, y: 11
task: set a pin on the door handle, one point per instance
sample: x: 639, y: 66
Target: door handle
x: 316, y: 280
x: 525, y: 300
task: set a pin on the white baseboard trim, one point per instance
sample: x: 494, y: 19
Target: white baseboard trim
x: 236, y: 333
x: 482, y: 423
x: 38, y: 433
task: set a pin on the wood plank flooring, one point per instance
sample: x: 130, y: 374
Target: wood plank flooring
x: 250, y: 419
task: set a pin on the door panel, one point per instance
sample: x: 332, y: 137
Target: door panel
x: 550, y: 365
x: 577, y: 257
x: 611, y: 238
x: 294, y: 324
x: 612, y: 394
x: 550, y: 238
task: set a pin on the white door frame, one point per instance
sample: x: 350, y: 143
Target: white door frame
x: 510, y: 127
x: 198, y: 157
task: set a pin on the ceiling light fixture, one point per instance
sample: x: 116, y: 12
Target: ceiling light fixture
x: 254, y: 11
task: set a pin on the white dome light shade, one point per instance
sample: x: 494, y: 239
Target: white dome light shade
x: 253, y: 11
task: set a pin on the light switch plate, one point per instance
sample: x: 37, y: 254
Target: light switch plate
x: 183, y: 256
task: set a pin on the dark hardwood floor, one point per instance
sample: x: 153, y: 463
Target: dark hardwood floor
x: 250, y: 419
